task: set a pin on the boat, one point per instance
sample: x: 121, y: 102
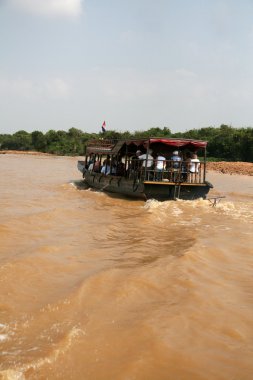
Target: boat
x: 123, y: 167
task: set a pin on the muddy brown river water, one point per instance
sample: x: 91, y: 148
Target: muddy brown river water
x: 97, y: 287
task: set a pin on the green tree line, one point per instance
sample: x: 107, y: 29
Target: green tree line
x: 224, y: 142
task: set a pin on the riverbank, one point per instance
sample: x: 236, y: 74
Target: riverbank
x: 224, y: 167
x: 29, y: 152
x: 244, y: 168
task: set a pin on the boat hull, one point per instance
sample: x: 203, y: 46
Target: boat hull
x: 161, y: 191
x: 171, y: 191
x: 114, y: 184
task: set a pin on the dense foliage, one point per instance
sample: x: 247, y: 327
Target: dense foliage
x: 224, y: 143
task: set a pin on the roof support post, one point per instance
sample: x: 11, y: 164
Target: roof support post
x: 204, y: 165
x: 145, y: 172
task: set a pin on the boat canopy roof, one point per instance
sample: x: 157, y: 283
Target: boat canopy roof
x: 187, y: 143
x: 105, y: 146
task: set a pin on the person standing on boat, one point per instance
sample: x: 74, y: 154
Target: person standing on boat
x: 194, y: 168
x: 135, y: 162
x: 160, y: 163
x: 186, y: 163
x: 147, y: 157
x: 147, y: 165
x: 175, y: 166
x: 175, y: 160
x: 195, y: 163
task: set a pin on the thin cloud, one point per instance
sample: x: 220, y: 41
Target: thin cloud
x: 50, y: 8
x: 26, y: 89
x: 56, y: 88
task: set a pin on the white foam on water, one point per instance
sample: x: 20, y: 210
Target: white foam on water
x: 4, y: 332
x: 236, y: 210
x: 176, y: 211
x: 63, y: 347
x: 242, y: 211
x: 153, y: 204
x: 3, y: 337
x: 72, y: 184
x: 18, y: 374
x: 11, y: 374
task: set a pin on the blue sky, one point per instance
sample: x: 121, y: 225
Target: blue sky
x: 136, y: 64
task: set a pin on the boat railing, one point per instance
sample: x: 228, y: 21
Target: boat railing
x: 175, y: 172
x: 172, y: 171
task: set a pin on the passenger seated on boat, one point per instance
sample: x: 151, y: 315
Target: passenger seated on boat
x: 113, y: 170
x: 90, y: 161
x: 120, y: 168
x: 160, y: 163
x: 90, y: 168
x: 114, y: 167
x: 96, y: 166
x: 105, y: 170
x: 106, y: 167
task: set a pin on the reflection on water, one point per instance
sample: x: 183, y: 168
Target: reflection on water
x: 101, y: 287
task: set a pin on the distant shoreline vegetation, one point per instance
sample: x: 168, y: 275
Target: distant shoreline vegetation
x: 224, y: 143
